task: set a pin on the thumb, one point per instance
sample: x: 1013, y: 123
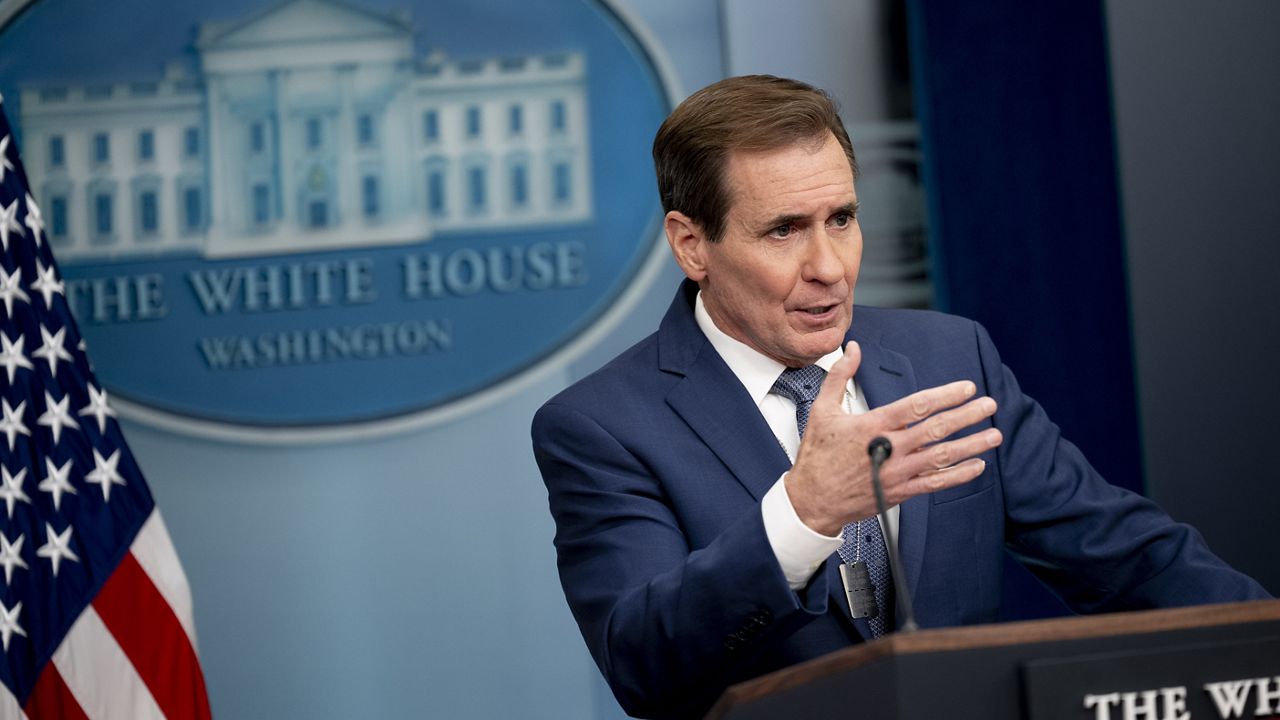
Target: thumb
x: 831, y: 394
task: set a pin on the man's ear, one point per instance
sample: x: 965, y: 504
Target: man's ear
x: 688, y: 244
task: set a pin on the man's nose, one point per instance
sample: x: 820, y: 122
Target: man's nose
x: 822, y: 262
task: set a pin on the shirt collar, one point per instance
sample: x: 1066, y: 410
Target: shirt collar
x: 756, y: 371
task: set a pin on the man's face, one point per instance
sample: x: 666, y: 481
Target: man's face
x: 781, y: 278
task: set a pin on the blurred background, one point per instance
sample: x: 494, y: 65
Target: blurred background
x: 1092, y: 181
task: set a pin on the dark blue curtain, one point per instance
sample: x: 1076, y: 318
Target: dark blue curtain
x: 1020, y: 171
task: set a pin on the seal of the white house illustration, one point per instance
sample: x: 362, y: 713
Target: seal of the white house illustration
x: 314, y: 214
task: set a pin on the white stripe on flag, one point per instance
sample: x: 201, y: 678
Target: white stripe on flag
x: 9, y: 707
x: 154, y: 552
x: 99, y: 674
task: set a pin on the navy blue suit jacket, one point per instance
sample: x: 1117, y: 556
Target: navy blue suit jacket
x: 655, y: 466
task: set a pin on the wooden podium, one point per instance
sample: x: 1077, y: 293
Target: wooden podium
x: 1213, y: 661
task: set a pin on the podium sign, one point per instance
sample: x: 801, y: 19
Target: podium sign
x: 1218, y: 661
x: 1228, y: 679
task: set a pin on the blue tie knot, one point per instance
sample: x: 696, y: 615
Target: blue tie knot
x: 800, y: 385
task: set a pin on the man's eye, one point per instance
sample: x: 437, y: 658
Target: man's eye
x: 782, y: 231
x: 842, y: 220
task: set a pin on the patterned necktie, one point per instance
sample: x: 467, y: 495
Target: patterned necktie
x: 801, y: 385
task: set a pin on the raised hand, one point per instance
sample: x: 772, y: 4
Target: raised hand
x: 830, y: 486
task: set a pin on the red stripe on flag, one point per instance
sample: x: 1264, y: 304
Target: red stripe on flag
x: 51, y: 699
x: 149, y: 633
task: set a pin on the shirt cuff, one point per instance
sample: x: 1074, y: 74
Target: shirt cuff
x: 799, y: 548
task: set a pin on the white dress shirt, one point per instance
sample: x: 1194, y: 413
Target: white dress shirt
x: 799, y: 549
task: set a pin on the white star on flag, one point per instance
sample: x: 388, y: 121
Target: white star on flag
x: 9, y: 223
x: 11, y: 556
x: 11, y: 424
x: 11, y: 357
x: 11, y: 491
x: 48, y: 284
x: 9, y: 623
x: 97, y: 407
x: 57, y: 548
x: 104, y: 473
x: 57, y: 416
x: 4, y: 156
x: 52, y: 349
x: 34, y: 221
x: 57, y: 483
x: 11, y: 289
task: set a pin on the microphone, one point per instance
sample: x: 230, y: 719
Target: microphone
x: 880, y: 449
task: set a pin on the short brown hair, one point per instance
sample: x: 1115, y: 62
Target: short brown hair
x: 749, y: 112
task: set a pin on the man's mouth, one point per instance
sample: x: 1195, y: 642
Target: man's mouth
x: 820, y: 310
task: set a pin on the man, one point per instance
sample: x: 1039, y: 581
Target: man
x: 695, y: 553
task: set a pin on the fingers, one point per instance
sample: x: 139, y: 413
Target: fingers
x: 929, y: 462
x: 918, y: 406
x: 944, y: 424
x: 831, y: 394
x: 940, y: 458
x: 939, y: 480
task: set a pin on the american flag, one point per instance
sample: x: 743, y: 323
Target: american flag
x: 95, y: 611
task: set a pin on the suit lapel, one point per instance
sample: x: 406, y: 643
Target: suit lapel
x: 716, y: 407
x: 714, y: 403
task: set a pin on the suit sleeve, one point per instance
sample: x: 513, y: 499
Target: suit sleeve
x: 1100, y: 547
x: 669, y: 625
